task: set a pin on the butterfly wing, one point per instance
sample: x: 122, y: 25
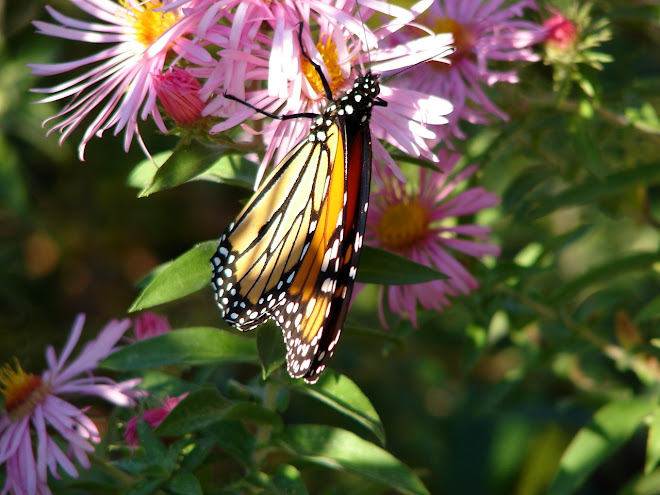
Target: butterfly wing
x: 317, y: 317
x: 291, y: 255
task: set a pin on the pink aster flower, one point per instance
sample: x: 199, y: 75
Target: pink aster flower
x: 148, y: 324
x: 36, y: 411
x: 423, y: 224
x: 153, y: 417
x: 484, y: 31
x: 118, y: 85
x: 287, y: 84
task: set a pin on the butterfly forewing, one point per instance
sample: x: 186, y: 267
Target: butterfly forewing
x: 292, y: 253
x: 257, y: 258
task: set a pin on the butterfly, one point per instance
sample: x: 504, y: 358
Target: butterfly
x: 292, y: 253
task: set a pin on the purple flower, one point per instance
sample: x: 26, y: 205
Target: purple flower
x: 34, y: 408
x: 118, y: 86
x: 270, y: 72
x: 153, y: 417
x: 423, y: 224
x: 148, y: 324
x: 483, y: 31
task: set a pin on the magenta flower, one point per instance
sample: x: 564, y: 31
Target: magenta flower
x: 34, y: 408
x: 178, y: 92
x: 483, y: 31
x: 118, y: 86
x: 286, y: 83
x: 561, y: 32
x: 153, y: 417
x: 148, y: 324
x: 423, y: 225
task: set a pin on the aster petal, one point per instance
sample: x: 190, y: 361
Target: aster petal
x: 42, y: 446
x: 94, y: 350
x: 27, y: 466
x: 58, y: 458
x: 16, y: 433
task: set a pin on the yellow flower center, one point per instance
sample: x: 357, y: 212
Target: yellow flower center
x: 463, y: 37
x: 328, y: 52
x: 402, y: 225
x: 149, y: 25
x: 22, y: 391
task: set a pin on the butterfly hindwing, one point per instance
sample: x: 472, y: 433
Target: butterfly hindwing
x: 320, y: 319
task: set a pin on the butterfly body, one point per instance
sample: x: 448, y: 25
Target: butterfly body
x: 292, y: 253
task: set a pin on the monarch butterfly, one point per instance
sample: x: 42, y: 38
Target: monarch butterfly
x: 293, y: 251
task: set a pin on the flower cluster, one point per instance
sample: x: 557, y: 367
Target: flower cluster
x: 176, y: 61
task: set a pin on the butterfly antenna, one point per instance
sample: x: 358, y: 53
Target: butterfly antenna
x: 317, y: 67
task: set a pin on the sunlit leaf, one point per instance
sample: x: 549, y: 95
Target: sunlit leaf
x: 653, y: 443
x: 188, y: 273
x: 339, y: 449
x: 186, y: 162
x: 143, y: 173
x: 610, y: 427
x: 288, y: 481
x: 191, y: 346
x: 342, y: 394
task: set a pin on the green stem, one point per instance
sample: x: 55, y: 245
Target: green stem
x: 264, y: 432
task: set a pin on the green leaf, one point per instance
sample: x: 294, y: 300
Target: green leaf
x: 592, y: 190
x: 610, y: 427
x: 190, y: 346
x: 185, y: 163
x: 194, y: 458
x: 653, y: 443
x: 233, y: 436
x: 604, y: 272
x: 523, y: 185
x: 247, y: 411
x: 339, y: 449
x: 184, y: 483
x: 194, y: 412
x: 192, y: 161
x: 144, y: 487
x: 288, y: 481
x: 232, y: 169
x: 644, y: 118
x: 650, y: 311
x: 188, y: 273
x: 156, y: 451
x: 143, y: 173
x: 343, y: 395
x: 271, y: 348
x: 584, y: 141
x: 381, y: 267
x: 13, y: 191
